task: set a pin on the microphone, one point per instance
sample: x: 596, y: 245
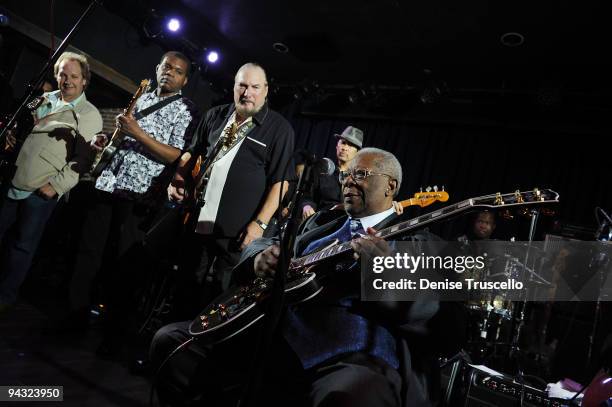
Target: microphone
x: 322, y: 166
x: 325, y: 166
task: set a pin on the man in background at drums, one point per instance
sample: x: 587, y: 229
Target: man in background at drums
x: 481, y: 228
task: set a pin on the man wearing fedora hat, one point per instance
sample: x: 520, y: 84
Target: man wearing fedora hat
x: 326, y: 191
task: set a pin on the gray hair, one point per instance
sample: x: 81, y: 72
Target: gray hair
x: 253, y: 65
x: 387, y: 164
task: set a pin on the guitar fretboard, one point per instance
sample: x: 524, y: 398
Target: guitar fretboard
x: 492, y: 201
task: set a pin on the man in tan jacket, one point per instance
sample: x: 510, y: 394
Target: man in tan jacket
x: 48, y: 165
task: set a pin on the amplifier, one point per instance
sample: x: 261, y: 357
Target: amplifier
x: 487, y: 390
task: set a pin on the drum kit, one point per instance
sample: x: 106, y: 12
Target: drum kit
x: 494, y: 319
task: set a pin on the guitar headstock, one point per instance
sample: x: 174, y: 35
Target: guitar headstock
x: 517, y: 198
x: 430, y: 196
x: 145, y: 85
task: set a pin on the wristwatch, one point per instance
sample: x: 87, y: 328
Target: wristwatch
x: 261, y: 224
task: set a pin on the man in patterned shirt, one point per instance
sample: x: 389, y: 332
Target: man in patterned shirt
x: 130, y: 192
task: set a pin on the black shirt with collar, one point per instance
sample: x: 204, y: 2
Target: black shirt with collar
x: 264, y: 159
x: 325, y: 193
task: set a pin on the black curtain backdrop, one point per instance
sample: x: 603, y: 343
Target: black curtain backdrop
x: 473, y: 160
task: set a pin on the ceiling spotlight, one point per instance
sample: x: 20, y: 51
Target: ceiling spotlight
x: 512, y: 39
x: 212, y: 57
x: 4, y: 20
x: 357, y: 96
x: 173, y: 25
x: 433, y: 92
x: 280, y: 47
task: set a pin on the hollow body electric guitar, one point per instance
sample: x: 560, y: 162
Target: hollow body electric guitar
x: 104, y: 158
x: 240, y: 307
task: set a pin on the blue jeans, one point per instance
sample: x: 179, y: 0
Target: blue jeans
x: 28, y: 218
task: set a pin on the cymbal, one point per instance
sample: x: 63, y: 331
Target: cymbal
x: 526, y: 283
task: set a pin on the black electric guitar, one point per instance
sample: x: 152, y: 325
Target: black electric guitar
x: 240, y: 307
x: 105, y: 157
x: 19, y: 130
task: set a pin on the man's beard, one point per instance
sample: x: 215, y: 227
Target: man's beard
x: 245, y: 111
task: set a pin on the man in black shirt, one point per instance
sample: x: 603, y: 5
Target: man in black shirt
x: 245, y: 182
x: 326, y: 191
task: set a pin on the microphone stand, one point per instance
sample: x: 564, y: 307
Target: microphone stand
x: 275, y: 302
x: 515, y: 346
x: 602, y: 225
x: 33, y: 85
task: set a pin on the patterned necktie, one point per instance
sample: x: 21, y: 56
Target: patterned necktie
x: 349, y: 230
x: 230, y: 136
x: 342, y: 235
x: 356, y: 228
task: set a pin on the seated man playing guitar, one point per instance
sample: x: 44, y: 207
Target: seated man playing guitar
x: 331, y: 350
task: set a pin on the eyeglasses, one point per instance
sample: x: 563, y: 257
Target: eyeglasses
x: 358, y: 174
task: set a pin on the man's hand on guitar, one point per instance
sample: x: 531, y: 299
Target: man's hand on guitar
x: 176, y: 190
x: 11, y: 141
x: 99, y: 142
x: 307, y: 211
x: 266, y: 262
x: 399, y: 209
x: 252, y: 232
x: 127, y: 124
x: 370, y: 245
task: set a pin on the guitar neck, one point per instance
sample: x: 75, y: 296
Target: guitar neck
x: 491, y: 201
x: 427, y: 218
x: 409, y: 202
x: 118, y: 136
x: 400, y: 228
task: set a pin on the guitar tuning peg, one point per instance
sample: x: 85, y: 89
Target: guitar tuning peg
x: 435, y: 188
x: 428, y: 189
x: 443, y: 187
x: 421, y: 189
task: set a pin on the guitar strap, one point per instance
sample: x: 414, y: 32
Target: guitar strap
x: 153, y: 108
x: 145, y: 112
x: 221, y: 149
x: 240, y: 134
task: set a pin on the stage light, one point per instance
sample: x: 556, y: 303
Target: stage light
x: 173, y: 25
x: 212, y: 57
